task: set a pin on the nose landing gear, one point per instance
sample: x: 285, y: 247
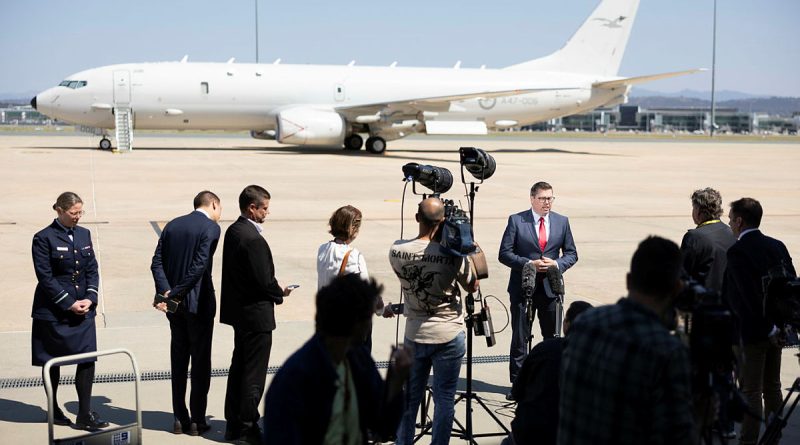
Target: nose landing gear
x: 105, y: 144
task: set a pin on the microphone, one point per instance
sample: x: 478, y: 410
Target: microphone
x: 528, y: 279
x: 556, y: 280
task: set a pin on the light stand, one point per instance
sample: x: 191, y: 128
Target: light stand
x: 466, y: 431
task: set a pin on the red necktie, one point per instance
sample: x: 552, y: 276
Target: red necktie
x: 542, y: 235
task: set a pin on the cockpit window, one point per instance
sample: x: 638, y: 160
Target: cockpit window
x: 74, y: 84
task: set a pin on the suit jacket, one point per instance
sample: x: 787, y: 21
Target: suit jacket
x: 66, y: 271
x: 749, y: 260
x: 183, y: 261
x: 520, y: 244
x: 299, y: 402
x: 704, y: 252
x: 249, y: 288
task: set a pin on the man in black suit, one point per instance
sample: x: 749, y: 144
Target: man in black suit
x: 750, y: 260
x: 181, y: 269
x: 704, y: 248
x: 249, y: 295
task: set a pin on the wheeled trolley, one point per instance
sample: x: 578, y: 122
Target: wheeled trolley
x: 130, y: 434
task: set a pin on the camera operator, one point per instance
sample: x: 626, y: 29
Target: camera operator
x: 434, y: 319
x: 625, y: 379
x: 749, y: 261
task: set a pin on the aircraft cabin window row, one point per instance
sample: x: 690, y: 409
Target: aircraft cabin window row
x: 74, y: 84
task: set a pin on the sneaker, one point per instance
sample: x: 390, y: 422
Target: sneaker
x: 91, y: 422
x: 528, y: 279
x: 60, y: 419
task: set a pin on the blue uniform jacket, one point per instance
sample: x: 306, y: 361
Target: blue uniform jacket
x: 66, y: 270
x: 183, y: 261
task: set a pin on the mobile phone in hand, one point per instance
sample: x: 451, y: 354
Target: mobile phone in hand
x: 292, y: 286
x: 172, y: 305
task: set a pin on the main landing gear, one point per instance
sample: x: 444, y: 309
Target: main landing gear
x: 376, y: 144
x: 353, y: 142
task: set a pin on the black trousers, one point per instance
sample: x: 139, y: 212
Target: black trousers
x: 246, y: 379
x: 544, y: 308
x: 191, y: 341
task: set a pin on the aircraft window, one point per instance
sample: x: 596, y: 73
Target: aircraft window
x: 82, y: 84
x: 74, y: 84
x: 204, y: 87
x: 64, y: 83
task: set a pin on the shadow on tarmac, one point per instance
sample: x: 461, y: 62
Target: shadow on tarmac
x: 19, y: 412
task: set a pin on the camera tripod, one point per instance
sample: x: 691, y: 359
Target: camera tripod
x: 464, y: 430
x: 772, y: 435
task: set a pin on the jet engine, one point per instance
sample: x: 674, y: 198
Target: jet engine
x: 310, y: 126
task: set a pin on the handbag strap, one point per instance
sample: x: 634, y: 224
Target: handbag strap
x: 344, y: 262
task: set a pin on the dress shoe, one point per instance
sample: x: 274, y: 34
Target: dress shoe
x: 197, y: 429
x: 90, y: 422
x: 510, y: 396
x: 60, y: 419
x: 177, y: 427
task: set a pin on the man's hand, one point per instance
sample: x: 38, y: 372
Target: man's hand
x: 287, y: 290
x: 543, y: 263
x: 162, y: 306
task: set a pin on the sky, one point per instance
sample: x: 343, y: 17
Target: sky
x: 44, y: 41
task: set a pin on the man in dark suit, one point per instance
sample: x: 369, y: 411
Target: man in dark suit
x: 750, y: 261
x: 249, y: 295
x: 704, y: 255
x: 181, y: 269
x: 543, y: 238
x: 704, y: 248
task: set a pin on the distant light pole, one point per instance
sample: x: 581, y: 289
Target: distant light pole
x: 713, y: 70
x: 256, y: 2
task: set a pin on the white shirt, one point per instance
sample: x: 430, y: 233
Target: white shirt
x: 203, y: 212
x: 745, y: 232
x: 536, y: 218
x: 329, y: 260
x: 258, y: 226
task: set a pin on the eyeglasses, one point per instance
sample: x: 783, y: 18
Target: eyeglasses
x: 544, y: 199
x: 78, y: 213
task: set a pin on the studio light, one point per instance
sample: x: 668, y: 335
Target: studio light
x: 437, y: 179
x: 476, y: 161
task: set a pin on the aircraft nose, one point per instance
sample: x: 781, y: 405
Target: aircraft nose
x: 33, y: 102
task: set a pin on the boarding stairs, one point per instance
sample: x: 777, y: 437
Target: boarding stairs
x: 123, y: 120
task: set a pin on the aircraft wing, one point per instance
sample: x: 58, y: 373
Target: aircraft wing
x: 435, y: 104
x: 642, y: 79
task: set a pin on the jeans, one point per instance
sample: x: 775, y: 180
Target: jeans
x: 445, y: 358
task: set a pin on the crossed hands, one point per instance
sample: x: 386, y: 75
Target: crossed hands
x: 81, y: 307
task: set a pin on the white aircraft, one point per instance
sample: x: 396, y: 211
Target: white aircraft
x: 334, y: 105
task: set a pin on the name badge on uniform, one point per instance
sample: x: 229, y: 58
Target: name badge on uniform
x: 62, y: 249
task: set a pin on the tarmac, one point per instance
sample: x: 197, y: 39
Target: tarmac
x: 615, y: 192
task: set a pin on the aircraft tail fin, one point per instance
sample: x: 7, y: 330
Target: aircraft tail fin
x: 598, y: 45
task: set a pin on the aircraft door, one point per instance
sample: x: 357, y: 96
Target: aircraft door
x: 338, y: 92
x: 122, y: 87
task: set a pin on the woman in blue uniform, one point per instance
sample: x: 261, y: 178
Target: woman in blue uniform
x: 64, y: 304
